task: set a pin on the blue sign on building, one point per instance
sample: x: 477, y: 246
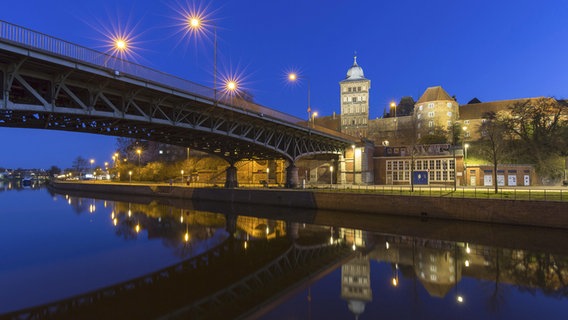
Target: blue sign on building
x: 420, y: 177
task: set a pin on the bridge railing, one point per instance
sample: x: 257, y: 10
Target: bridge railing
x: 117, y: 66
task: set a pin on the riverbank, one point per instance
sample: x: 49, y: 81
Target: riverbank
x: 550, y: 214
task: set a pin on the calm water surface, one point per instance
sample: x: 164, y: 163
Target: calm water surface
x: 57, y: 246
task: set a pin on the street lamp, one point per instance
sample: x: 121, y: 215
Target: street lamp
x: 353, y: 148
x: 267, y: 175
x: 130, y: 175
x: 139, y: 152
x: 331, y: 176
x: 196, y: 22
x: 293, y: 77
x: 314, y: 115
x: 181, y: 176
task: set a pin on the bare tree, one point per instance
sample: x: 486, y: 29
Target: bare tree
x: 539, y: 130
x: 493, y: 143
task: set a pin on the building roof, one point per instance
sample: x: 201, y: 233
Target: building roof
x: 434, y: 94
x: 476, y: 110
x: 355, y: 72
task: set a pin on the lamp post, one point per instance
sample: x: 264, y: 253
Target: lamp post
x: 465, y: 146
x: 182, y: 176
x: 331, y: 176
x: 139, y: 152
x: 267, y: 175
x: 353, y: 148
x: 130, y: 175
x: 393, y: 107
x: 197, y: 22
x: 294, y: 77
x: 314, y: 115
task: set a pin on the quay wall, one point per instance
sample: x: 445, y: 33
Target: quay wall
x: 501, y: 211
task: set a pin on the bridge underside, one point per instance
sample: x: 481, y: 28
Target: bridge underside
x: 51, y: 94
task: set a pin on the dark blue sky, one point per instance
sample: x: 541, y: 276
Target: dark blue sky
x: 492, y: 50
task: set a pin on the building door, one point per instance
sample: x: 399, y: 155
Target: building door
x: 488, y: 180
x: 472, y: 178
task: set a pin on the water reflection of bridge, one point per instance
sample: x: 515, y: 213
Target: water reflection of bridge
x: 260, y: 258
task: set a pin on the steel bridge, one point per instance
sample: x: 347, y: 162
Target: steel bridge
x: 49, y: 83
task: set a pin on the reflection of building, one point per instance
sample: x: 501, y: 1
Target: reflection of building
x: 260, y: 228
x: 356, y: 284
x: 437, y: 270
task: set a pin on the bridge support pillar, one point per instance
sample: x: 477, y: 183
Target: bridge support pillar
x: 231, y: 177
x: 292, y: 180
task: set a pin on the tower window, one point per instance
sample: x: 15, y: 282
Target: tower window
x: 449, y: 113
x: 420, y: 107
x: 430, y: 123
x: 431, y: 114
x: 430, y: 105
x: 449, y: 104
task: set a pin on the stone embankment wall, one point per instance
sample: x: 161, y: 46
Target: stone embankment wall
x: 512, y: 212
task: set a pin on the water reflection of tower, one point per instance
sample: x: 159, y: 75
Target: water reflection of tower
x: 356, y: 284
x: 437, y: 269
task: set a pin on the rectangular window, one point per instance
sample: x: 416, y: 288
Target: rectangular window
x: 354, y: 99
x: 430, y: 123
x: 449, y: 104
x: 449, y: 113
x: 466, y: 122
x: 419, y: 116
x: 430, y: 105
x: 431, y: 114
x: 420, y: 107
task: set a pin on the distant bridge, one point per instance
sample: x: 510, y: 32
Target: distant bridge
x: 48, y: 83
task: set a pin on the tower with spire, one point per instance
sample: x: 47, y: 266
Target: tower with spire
x: 354, y: 94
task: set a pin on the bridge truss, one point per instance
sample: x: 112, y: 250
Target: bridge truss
x: 48, y: 83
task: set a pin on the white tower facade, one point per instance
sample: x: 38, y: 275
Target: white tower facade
x: 354, y: 93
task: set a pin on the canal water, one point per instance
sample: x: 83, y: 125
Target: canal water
x: 75, y: 256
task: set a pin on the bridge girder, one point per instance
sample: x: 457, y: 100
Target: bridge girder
x: 48, y: 92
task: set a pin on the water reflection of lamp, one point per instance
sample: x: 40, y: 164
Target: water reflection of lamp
x: 395, y: 276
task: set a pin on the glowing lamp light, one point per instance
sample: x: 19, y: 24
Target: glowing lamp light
x: 194, y: 22
x: 459, y: 299
x: 186, y: 237
x: 394, y: 282
x: 120, y: 44
x: 292, y: 76
x: 137, y: 228
x: 231, y: 86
